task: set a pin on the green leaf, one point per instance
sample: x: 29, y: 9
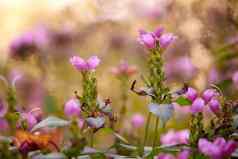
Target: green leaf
x: 51, y: 122
x: 183, y: 101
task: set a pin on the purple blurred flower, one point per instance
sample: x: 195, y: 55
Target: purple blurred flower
x: 85, y: 65
x: 180, y: 68
x: 72, y: 108
x: 182, y: 155
x: 213, y: 76
x: 137, y: 120
x: 191, y: 94
x: 28, y: 42
x: 175, y: 137
x: 214, y: 105
x: 209, y: 94
x: 197, y: 105
x: 166, y: 39
x: 3, y: 125
x: 29, y: 119
x: 123, y: 69
x: 3, y: 109
x: 235, y: 79
x: 218, y: 149
x: 165, y: 156
x: 147, y: 39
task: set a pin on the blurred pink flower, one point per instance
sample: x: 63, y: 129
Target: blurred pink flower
x: 137, y: 120
x: 182, y: 155
x: 3, y: 125
x: 235, y: 79
x: 218, y: 149
x: 29, y: 119
x: 197, y: 105
x: 180, y: 68
x: 123, y: 69
x: 175, y: 137
x: 85, y: 65
x: 72, y: 108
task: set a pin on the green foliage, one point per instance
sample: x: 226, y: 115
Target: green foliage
x: 182, y: 101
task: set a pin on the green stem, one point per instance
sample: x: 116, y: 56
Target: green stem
x: 147, y: 129
x: 156, y: 133
x: 91, y: 138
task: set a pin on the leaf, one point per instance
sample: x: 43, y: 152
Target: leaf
x: 97, y: 122
x: 163, y: 111
x: 183, y: 101
x: 51, y: 122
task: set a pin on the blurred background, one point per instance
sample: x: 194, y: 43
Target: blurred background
x: 53, y: 30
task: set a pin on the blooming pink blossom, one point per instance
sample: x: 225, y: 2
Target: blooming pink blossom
x: 85, y: 65
x: 137, y: 120
x: 72, y: 108
x: 218, y: 149
x: 197, y: 105
x: 175, y: 137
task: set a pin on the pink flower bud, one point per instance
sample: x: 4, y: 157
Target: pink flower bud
x: 197, y: 105
x: 166, y: 39
x: 214, y: 105
x: 85, y: 65
x: 137, y: 120
x: 191, y: 94
x: 147, y: 39
x: 72, y: 108
x: 209, y: 94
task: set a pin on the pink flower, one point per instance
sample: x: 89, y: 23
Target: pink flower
x: 235, y: 78
x: 137, y: 120
x: 198, y: 105
x: 158, y: 32
x: 191, y: 94
x: 165, y: 156
x: 147, y: 39
x: 72, y: 108
x: 166, y: 39
x: 29, y: 119
x: 209, y: 94
x: 175, y: 137
x: 85, y: 65
x: 214, y: 105
x: 3, y: 125
x: 182, y: 155
x: 218, y: 149
x: 124, y: 69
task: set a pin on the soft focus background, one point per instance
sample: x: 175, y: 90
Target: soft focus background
x: 204, y: 53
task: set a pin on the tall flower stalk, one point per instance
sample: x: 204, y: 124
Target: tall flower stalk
x: 156, y: 42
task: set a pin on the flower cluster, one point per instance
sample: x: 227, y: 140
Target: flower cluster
x: 124, y: 69
x: 218, y: 149
x: 209, y: 97
x: 85, y: 65
x: 152, y: 39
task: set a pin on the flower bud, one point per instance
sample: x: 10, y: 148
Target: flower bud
x: 197, y: 105
x: 72, y: 108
